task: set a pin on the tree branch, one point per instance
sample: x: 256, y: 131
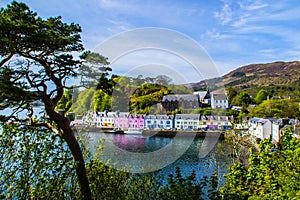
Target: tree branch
x: 6, y: 59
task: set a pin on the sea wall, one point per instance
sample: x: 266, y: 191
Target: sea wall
x: 182, y: 133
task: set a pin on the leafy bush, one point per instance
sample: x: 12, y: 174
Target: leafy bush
x: 273, y: 172
x: 34, y: 166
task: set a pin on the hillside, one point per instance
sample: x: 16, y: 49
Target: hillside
x: 277, y: 74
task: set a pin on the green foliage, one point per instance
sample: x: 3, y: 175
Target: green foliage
x: 84, y: 101
x: 108, y: 183
x: 271, y: 174
x: 65, y: 102
x: 243, y: 99
x: 231, y: 93
x: 146, y: 96
x: 234, y: 148
x: 37, y: 59
x: 261, y: 96
x: 278, y: 108
x: 35, y: 163
x: 179, y: 187
x: 102, y: 101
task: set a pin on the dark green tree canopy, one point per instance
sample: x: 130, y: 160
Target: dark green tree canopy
x: 35, y: 53
x: 36, y: 63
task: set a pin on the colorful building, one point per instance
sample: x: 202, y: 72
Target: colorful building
x: 186, y: 121
x: 136, y: 121
x: 159, y: 121
x: 215, y: 122
x: 121, y: 120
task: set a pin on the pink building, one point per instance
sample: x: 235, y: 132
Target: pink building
x: 121, y: 120
x: 136, y: 121
x: 125, y: 120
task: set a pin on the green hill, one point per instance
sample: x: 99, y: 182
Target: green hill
x: 281, y: 78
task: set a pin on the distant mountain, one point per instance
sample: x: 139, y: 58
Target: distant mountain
x: 257, y: 76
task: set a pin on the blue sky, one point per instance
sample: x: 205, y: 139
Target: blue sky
x: 233, y: 32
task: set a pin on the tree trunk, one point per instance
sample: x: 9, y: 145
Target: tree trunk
x: 68, y: 135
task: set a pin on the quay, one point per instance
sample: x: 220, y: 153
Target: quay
x: 182, y: 133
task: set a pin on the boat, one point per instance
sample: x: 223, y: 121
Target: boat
x: 134, y: 131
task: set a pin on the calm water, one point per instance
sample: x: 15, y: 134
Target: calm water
x: 160, y: 154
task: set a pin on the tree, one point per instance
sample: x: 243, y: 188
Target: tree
x: 273, y: 172
x: 235, y: 147
x: 35, y: 163
x: 231, y: 93
x: 244, y: 99
x: 36, y: 62
x: 65, y: 103
x: 276, y: 108
x: 261, y: 96
x: 102, y: 101
x: 84, y: 102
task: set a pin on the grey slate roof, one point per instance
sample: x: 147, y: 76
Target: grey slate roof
x: 159, y: 117
x: 219, y: 96
x: 180, y: 97
x: 187, y: 116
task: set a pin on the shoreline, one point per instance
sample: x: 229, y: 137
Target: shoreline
x: 182, y: 133
x: 157, y: 133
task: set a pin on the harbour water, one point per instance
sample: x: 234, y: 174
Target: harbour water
x: 138, y: 154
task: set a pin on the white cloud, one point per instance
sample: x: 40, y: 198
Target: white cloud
x: 214, y: 34
x: 225, y: 15
x: 252, y: 5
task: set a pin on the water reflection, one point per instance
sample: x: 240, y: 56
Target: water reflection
x: 140, y: 146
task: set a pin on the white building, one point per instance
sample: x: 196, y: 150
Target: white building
x: 104, y: 119
x: 219, y: 101
x: 159, y: 121
x: 260, y: 128
x: 186, y: 121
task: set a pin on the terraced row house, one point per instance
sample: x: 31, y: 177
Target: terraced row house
x: 159, y: 121
x: 125, y: 120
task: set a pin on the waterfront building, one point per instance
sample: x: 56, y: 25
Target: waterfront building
x: 159, y: 121
x: 104, y: 119
x: 121, y: 120
x: 186, y: 121
x: 136, y: 121
x: 79, y: 120
x: 215, y: 122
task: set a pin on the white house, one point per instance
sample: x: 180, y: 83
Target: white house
x: 159, y: 121
x: 104, y: 119
x: 219, y: 101
x: 186, y: 121
x: 260, y: 128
